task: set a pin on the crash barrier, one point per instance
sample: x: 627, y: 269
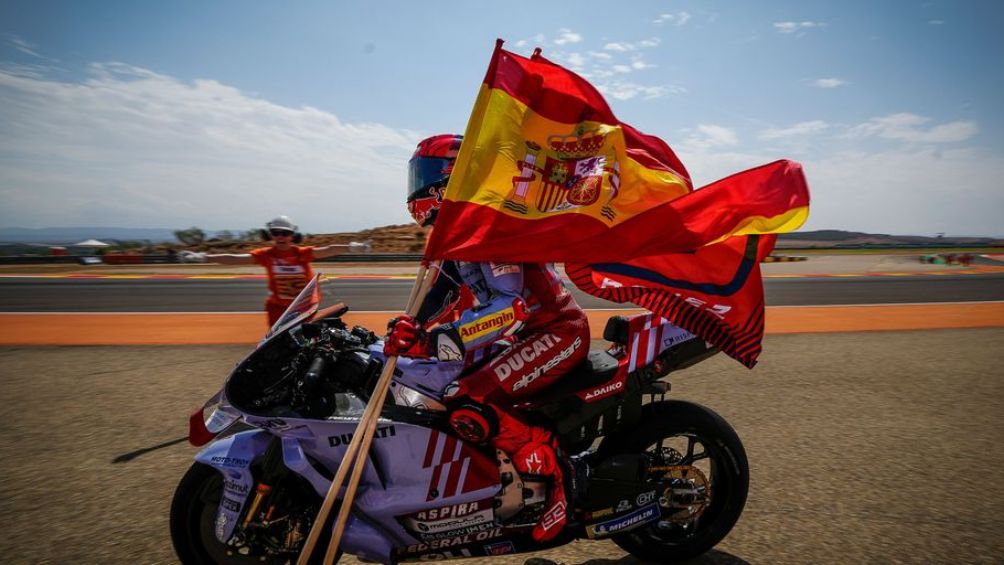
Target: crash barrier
x: 784, y: 258
x: 48, y: 259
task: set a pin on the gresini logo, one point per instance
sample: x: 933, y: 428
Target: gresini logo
x: 344, y: 439
x: 478, y: 328
x: 604, y: 390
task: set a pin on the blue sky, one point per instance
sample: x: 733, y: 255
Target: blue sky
x: 223, y: 114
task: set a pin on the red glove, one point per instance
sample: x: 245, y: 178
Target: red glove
x: 405, y: 337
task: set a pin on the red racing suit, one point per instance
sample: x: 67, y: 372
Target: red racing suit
x: 524, y: 333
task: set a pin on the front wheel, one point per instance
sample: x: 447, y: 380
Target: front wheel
x: 700, y: 467
x: 193, y: 514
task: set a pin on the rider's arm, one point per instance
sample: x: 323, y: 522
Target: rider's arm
x: 499, y: 315
x: 442, y: 297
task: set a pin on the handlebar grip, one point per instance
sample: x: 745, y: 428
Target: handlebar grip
x: 314, y: 373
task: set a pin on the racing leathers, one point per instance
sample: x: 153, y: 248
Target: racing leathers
x: 524, y: 333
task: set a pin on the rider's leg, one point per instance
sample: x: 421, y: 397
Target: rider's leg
x: 537, y: 360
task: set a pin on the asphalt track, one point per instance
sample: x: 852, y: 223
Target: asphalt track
x: 241, y: 295
x: 864, y: 448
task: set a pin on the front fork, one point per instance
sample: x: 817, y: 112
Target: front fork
x: 272, y: 471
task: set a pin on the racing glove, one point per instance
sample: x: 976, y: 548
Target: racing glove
x: 406, y: 338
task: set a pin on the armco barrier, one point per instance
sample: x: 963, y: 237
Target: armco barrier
x: 784, y: 258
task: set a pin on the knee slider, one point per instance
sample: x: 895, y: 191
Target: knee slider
x: 475, y: 423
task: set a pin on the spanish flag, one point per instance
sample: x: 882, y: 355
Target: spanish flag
x: 547, y: 173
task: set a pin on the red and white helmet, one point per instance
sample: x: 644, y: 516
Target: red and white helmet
x: 428, y: 172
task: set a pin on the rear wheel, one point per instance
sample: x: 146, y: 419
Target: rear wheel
x: 699, y: 466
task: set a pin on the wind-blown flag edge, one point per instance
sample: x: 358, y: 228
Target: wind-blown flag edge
x: 742, y: 342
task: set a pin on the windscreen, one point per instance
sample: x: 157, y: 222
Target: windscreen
x: 302, y: 308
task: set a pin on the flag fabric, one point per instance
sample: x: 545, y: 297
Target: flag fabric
x: 547, y: 173
x: 715, y: 293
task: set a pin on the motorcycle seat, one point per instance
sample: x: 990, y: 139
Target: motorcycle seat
x: 598, y: 368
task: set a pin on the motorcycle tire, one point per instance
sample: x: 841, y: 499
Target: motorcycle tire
x: 193, y: 511
x: 729, y: 478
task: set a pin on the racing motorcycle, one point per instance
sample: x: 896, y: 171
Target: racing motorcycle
x: 666, y: 480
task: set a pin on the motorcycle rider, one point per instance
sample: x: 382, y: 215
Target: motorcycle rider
x: 288, y: 264
x: 524, y: 333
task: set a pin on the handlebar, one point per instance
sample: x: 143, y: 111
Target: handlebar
x: 315, y: 371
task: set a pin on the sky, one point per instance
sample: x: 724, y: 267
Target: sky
x: 225, y: 114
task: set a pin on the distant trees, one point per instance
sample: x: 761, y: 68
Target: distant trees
x: 191, y: 236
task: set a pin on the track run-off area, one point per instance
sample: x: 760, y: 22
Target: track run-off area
x: 870, y: 438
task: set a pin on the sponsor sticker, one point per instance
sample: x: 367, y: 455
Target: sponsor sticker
x: 230, y: 461
x: 483, y: 326
x: 604, y: 391
x: 345, y: 439
x: 632, y: 520
x: 561, y: 356
x: 454, y: 541
x: 645, y: 498
x: 230, y: 504
x: 450, y: 521
x: 499, y: 269
x: 500, y: 548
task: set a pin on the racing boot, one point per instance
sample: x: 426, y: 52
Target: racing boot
x: 541, y: 458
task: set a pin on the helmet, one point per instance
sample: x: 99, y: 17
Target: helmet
x: 281, y: 223
x: 428, y: 172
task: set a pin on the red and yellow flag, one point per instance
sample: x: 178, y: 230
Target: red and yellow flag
x: 547, y: 173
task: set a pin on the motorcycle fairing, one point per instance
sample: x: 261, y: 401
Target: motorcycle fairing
x: 232, y: 457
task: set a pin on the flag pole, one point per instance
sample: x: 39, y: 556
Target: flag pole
x: 360, y: 441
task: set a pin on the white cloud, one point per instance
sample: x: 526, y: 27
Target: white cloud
x: 911, y: 128
x: 678, y: 19
x: 576, y: 60
x: 624, y: 47
x: 622, y: 90
x: 706, y: 136
x: 828, y: 82
x: 936, y: 22
x: 619, y: 47
x: 793, y: 27
x: 622, y: 68
x: 21, y: 45
x: 600, y: 55
x: 566, y: 35
x: 799, y: 129
x: 640, y: 65
x: 130, y: 147
x: 521, y: 43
